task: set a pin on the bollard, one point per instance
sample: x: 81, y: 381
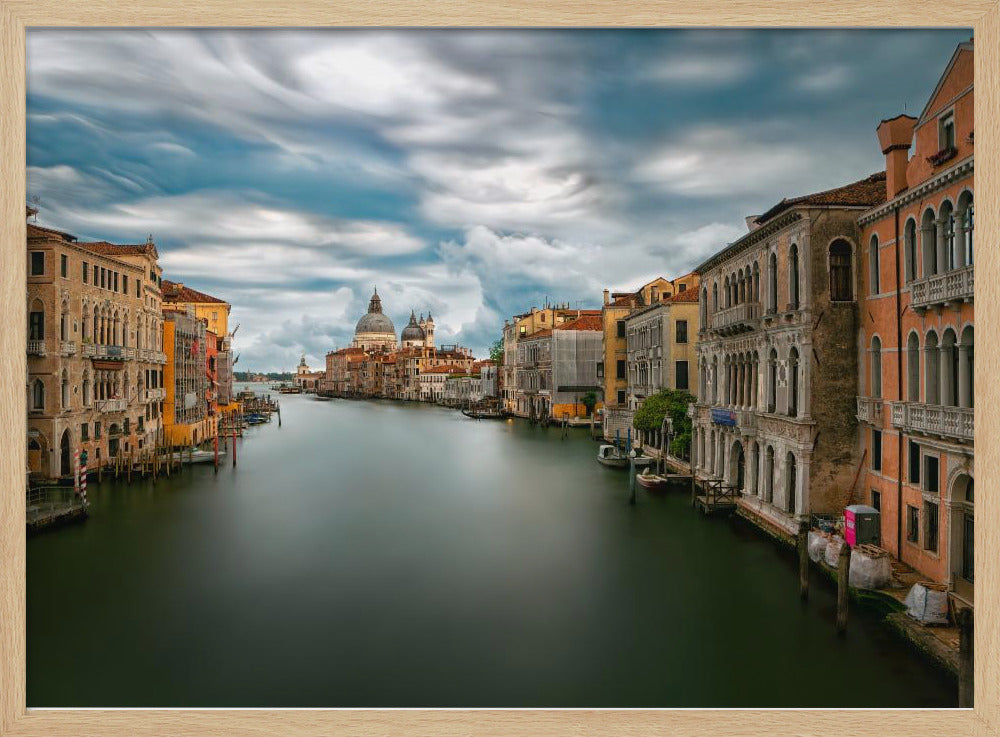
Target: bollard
x: 803, y: 544
x: 843, y: 573
x: 966, y: 672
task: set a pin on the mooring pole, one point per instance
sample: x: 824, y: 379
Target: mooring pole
x: 631, y: 479
x: 966, y: 673
x: 234, y: 448
x: 843, y: 575
x: 803, y: 544
x: 215, y: 445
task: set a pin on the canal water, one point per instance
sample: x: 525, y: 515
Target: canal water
x: 385, y: 554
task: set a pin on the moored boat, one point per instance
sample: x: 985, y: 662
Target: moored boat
x: 195, y: 455
x: 611, y: 456
x: 652, y: 481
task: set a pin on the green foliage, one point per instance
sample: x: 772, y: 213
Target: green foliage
x: 496, y: 352
x: 649, y: 417
x: 589, y: 401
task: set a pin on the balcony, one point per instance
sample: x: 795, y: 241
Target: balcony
x: 739, y: 319
x: 67, y: 348
x: 951, y: 287
x: 108, y: 352
x: 36, y: 348
x: 933, y: 419
x: 156, y: 395
x: 870, y: 410
x: 111, y: 405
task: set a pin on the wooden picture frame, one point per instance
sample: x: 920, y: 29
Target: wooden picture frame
x: 15, y: 719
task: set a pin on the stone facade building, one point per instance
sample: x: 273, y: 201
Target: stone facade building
x: 187, y: 419
x: 916, y: 389
x: 777, y: 358
x: 95, y: 354
x: 660, y: 341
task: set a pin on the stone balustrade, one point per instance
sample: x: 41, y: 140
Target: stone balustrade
x: 870, y: 410
x: 934, y: 419
x: 941, y: 289
x: 739, y: 318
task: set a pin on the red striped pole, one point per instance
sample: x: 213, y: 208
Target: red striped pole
x: 83, y: 475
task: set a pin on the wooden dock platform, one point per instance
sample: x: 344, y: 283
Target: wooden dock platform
x: 715, y: 497
x: 52, y: 506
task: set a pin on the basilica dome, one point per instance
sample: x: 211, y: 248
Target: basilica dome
x: 375, y: 330
x: 413, y: 331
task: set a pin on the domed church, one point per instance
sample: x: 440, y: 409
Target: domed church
x: 418, y: 334
x: 375, y: 331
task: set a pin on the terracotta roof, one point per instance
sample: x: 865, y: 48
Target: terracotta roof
x: 586, y: 322
x: 37, y: 231
x: 626, y: 301
x: 104, y: 248
x: 691, y: 295
x: 445, y: 370
x: 538, y: 334
x: 175, y: 292
x: 866, y: 192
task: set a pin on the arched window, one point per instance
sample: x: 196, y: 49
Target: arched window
x: 876, y: 377
x: 913, y: 368
x: 756, y: 282
x: 38, y: 395
x: 64, y: 322
x: 715, y: 297
x: 772, y: 380
x: 947, y: 233
x: 841, y: 289
x: 755, y: 469
x: 772, y: 282
x: 949, y: 368
x: 932, y: 363
x: 704, y: 308
x: 966, y: 369
x: 729, y: 293
x: 715, y: 380
x: 928, y: 243
x: 910, y: 250
x: 64, y: 391
x: 86, y: 389
x: 793, y: 383
x: 743, y: 287
x: 36, y: 321
x: 792, y: 483
x: 793, y: 277
x: 769, y: 475
x: 873, y: 265
x: 967, y: 226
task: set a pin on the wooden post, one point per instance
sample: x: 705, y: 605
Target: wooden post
x: 966, y: 673
x: 234, y: 448
x: 631, y: 480
x: 215, y: 445
x: 843, y: 574
x: 279, y: 415
x: 803, y: 544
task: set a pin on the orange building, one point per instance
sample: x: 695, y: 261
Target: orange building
x: 916, y: 384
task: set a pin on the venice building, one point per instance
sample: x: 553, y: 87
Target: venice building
x: 777, y: 358
x: 916, y: 393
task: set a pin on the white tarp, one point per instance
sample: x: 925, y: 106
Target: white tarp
x: 927, y: 606
x: 868, y: 572
x: 832, y: 555
x: 817, y: 545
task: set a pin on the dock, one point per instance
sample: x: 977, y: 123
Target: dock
x: 49, y: 506
x: 715, y: 497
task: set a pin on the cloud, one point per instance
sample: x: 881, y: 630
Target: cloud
x: 824, y: 80
x: 706, y: 69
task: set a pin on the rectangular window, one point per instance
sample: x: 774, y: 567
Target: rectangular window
x: 682, y: 287
x: 96, y: 275
x: 125, y: 426
x: 946, y: 131
x: 97, y: 430
x: 620, y: 369
x: 86, y: 272
x: 600, y: 369
x: 138, y: 286
x: 930, y: 526
x: 64, y: 265
x: 912, y: 523
x: 37, y: 263
x: 104, y: 275
x: 84, y: 432
x: 914, y: 463
x: 621, y: 396
x: 124, y: 283
x: 682, y: 331
x: 36, y: 326
x: 931, y: 473
x: 681, y: 375
x: 876, y: 500
x: 621, y: 328
x: 876, y: 450
x: 116, y: 282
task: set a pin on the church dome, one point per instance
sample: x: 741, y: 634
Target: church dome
x: 412, y: 331
x: 375, y: 321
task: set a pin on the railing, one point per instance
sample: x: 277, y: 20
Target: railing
x: 113, y: 352
x: 67, y: 348
x: 939, y: 289
x: 736, y: 319
x: 111, y: 405
x: 36, y: 348
x: 934, y: 419
x: 746, y: 420
x: 156, y: 395
x: 45, y: 502
x: 869, y: 410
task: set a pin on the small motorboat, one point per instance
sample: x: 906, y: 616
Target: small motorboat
x: 611, y: 456
x: 256, y: 419
x: 652, y: 481
x: 195, y: 455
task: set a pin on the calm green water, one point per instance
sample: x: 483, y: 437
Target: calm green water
x: 378, y: 554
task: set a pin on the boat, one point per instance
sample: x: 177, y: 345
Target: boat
x: 195, y: 455
x: 322, y: 398
x: 485, y: 414
x: 611, y: 456
x: 256, y: 419
x: 652, y: 481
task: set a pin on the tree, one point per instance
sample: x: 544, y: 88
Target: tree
x: 589, y: 401
x: 649, y: 417
x: 496, y: 352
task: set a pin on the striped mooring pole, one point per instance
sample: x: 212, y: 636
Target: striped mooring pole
x: 81, y: 474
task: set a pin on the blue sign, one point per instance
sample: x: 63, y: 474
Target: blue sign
x: 724, y: 417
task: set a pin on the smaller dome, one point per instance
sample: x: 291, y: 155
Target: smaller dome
x: 412, y: 331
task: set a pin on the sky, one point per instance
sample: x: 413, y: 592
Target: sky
x: 467, y: 173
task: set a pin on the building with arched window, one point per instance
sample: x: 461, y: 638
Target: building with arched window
x: 85, y: 302
x: 915, y: 406
x: 777, y: 358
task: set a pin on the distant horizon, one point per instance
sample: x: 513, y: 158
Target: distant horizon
x: 470, y: 173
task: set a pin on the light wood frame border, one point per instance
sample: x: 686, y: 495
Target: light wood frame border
x: 16, y: 15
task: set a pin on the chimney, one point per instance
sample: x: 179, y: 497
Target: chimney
x: 895, y: 136
x: 607, y: 297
